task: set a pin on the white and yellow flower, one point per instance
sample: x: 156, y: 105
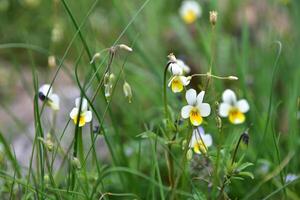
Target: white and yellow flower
x: 196, y: 109
x: 177, y: 81
x: 232, y: 108
x: 84, y: 116
x: 189, y: 11
x: 46, y: 95
x: 200, y: 141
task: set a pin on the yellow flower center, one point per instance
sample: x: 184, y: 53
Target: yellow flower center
x: 177, y: 85
x: 81, y: 120
x: 236, y: 116
x: 189, y: 17
x: 200, y: 147
x: 195, y: 117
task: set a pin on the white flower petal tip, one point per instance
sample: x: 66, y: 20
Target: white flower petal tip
x: 232, y: 108
x: 200, y: 141
x: 189, y: 11
x: 85, y: 116
x: 195, y: 110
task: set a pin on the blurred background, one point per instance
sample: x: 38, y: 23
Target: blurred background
x: 33, y: 31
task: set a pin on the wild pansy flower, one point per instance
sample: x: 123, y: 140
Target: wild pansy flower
x: 196, y: 109
x: 189, y: 11
x: 177, y: 68
x: 200, y: 141
x: 85, y: 115
x: 46, y: 95
x: 232, y: 108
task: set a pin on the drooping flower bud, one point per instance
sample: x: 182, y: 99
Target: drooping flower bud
x: 125, y: 47
x: 49, y: 144
x: 127, y: 91
x: 233, y: 78
x: 213, y: 17
x: 245, y: 138
x: 51, y: 61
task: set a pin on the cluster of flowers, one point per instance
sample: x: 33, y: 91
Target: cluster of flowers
x: 196, y: 110
x: 52, y: 100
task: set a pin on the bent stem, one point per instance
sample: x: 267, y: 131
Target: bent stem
x: 167, y: 117
x: 165, y: 92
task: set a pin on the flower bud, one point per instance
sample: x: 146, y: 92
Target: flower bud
x: 234, y: 78
x: 106, y: 78
x: 107, y: 91
x: 245, y: 138
x: 97, y: 55
x: 127, y: 91
x: 213, y: 17
x: 46, y: 178
x: 49, y: 144
x: 219, y: 122
x: 125, y: 47
x: 51, y: 61
x: 111, y: 78
x: 189, y: 154
x: 76, y: 163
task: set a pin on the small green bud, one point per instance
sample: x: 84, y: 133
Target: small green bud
x: 76, y: 163
x: 189, y: 154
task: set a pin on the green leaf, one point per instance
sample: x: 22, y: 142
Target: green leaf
x: 244, y: 166
x: 246, y: 174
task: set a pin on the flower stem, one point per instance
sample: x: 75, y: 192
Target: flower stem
x: 165, y: 92
x: 236, y: 149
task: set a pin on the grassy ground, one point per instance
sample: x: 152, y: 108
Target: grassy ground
x: 135, y: 150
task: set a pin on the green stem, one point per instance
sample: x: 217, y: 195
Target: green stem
x: 165, y: 92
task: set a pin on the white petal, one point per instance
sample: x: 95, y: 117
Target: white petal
x: 74, y: 113
x: 185, y: 111
x: 200, y: 97
x: 191, y: 97
x: 204, y: 109
x: 175, y: 69
x: 188, y: 5
x: 84, y: 103
x: 193, y: 139
x: 54, y: 98
x: 224, y: 109
x: 199, y: 131
x: 207, y: 139
x: 186, y: 69
x: 44, y: 89
x: 243, y: 105
x: 185, y: 80
x: 229, y: 97
x: 170, y: 82
x: 88, y: 116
